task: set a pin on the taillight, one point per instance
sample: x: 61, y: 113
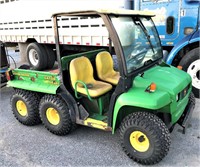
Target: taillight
x: 9, y: 75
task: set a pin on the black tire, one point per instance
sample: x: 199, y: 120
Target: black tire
x: 192, y: 57
x: 25, y: 107
x: 144, y: 138
x: 37, y: 56
x: 55, y: 116
x: 51, y: 57
x: 24, y: 66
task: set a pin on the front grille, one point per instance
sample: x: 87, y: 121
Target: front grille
x: 183, y: 93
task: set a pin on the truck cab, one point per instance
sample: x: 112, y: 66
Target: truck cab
x: 144, y: 98
x: 177, y: 22
x: 186, y: 54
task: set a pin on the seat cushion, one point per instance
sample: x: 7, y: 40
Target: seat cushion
x: 81, y: 70
x: 96, y: 88
x: 112, y: 78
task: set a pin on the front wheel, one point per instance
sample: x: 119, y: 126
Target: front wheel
x: 191, y: 64
x: 144, y: 138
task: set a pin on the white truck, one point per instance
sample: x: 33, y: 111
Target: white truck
x: 28, y: 24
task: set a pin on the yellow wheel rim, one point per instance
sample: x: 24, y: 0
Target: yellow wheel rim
x: 52, y: 116
x: 139, y: 141
x: 21, y: 108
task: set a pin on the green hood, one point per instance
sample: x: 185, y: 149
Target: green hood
x: 169, y: 82
x: 167, y: 78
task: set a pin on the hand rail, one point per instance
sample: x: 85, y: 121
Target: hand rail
x: 85, y: 86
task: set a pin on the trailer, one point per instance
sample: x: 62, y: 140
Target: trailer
x: 177, y: 22
x: 31, y: 29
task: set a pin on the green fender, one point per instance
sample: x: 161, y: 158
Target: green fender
x: 169, y: 81
x: 137, y: 97
x: 50, y: 89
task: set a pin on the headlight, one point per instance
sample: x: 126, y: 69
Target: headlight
x: 188, y: 30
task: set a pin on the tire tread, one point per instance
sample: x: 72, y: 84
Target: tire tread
x: 63, y: 109
x: 156, y: 127
x: 32, y: 101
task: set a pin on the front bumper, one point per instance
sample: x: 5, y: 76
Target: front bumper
x: 186, y: 116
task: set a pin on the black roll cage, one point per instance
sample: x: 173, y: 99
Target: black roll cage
x: 125, y: 81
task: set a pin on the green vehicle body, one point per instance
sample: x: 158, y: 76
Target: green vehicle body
x: 162, y: 100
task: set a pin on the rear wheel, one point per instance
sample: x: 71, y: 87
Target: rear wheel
x: 55, y: 115
x: 144, y: 138
x: 25, y: 105
x: 191, y: 64
x: 37, y: 56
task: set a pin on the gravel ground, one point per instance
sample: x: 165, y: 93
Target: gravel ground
x: 23, y: 146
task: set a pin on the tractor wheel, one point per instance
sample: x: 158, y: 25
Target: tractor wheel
x: 191, y: 64
x: 144, y: 138
x: 37, y: 56
x: 25, y: 107
x: 55, y: 115
x: 51, y: 57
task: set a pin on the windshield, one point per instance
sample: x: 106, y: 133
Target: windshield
x: 139, y: 40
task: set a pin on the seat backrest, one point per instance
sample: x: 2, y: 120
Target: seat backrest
x: 104, y: 64
x: 81, y: 69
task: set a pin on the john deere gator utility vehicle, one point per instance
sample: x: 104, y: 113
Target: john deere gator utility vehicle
x: 144, y: 97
